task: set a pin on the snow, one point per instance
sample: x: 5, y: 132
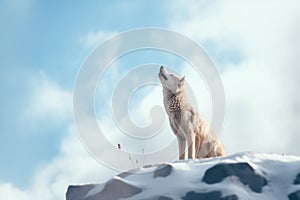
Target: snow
x: 247, y: 175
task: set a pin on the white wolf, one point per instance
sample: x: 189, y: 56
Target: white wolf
x: 185, y: 122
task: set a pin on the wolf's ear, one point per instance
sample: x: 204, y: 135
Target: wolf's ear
x: 181, y: 81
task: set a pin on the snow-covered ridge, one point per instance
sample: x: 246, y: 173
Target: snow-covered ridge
x: 248, y: 176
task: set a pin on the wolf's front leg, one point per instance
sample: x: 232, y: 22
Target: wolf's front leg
x: 191, y: 143
x: 181, y: 147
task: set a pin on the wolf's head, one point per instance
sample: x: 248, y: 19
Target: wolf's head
x: 170, y: 81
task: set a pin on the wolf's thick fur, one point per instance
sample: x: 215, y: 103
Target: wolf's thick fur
x: 185, y: 122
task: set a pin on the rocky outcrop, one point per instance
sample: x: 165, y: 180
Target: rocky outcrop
x: 242, y: 176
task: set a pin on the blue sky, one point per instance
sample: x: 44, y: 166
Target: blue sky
x: 44, y: 43
x: 45, y: 37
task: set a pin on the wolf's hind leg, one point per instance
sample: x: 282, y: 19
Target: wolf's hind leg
x: 220, y: 150
x: 215, y: 149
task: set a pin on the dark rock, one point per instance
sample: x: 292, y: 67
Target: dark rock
x: 162, y: 198
x: 148, y: 166
x: 294, y: 195
x: 243, y: 171
x: 159, y: 198
x: 297, y: 179
x: 124, y: 174
x: 78, y: 192
x: 215, y: 195
x: 115, y: 189
x: 163, y: 171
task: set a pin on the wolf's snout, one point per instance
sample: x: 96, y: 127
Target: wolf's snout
x: 162, y: 73
x: 163, y: 69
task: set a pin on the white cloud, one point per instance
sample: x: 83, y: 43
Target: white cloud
x: 48, y: 100
x: 8, y: 191
x: 72, y: 166
x: 259, y: 90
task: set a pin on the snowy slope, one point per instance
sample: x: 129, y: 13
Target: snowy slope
x: 246, y: 176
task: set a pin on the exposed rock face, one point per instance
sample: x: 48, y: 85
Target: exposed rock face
x: 216, y: 195
x: 297, y: 179
x: 115, y: 189
x: 78, y: 192
x: 242, y: 176
x: 243, y: 171
x: 294, y: 195
x: 163, y: 170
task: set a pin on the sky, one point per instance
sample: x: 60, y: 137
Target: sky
x: 253, y: 44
